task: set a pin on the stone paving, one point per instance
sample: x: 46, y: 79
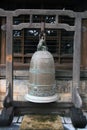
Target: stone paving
x: 65, y: 120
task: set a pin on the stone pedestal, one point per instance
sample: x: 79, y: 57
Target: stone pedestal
x: 41, y: 122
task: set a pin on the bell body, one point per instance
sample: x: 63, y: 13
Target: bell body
x: 42, y: 86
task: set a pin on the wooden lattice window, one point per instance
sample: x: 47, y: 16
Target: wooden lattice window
x: 59, y: 41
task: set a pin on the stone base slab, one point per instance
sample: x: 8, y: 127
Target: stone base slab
x: 41, y: 122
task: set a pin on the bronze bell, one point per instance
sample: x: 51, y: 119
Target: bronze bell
x: 42, y: 86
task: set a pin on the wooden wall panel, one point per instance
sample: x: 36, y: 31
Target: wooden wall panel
x: 84, y: 44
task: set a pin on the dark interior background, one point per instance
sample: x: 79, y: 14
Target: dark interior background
x: 76, y: 5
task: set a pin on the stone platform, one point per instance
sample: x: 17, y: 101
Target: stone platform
x: 41, y: 122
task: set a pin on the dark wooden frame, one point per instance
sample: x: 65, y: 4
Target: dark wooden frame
x: 77, y: 37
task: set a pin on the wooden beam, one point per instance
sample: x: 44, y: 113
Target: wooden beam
x: 38, y: 25
x: 44, y: 12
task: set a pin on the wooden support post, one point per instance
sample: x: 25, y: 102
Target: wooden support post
x: 3, y: 43
x: 42, y: 26
x: 77, y: 51
x: 84, y: 44
x: 9, y: 54
x: 76, y: 61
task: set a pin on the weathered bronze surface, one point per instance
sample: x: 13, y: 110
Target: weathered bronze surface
x: 42, y: 87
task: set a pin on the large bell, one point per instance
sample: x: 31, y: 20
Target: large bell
x: 42, y: 86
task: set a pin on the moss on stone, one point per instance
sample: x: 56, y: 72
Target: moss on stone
x: 45, y: 118
x: 41, y: 122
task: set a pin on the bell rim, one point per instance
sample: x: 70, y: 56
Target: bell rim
x: 38, y: 99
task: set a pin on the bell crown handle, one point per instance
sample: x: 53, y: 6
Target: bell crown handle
x: 42, y: 42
